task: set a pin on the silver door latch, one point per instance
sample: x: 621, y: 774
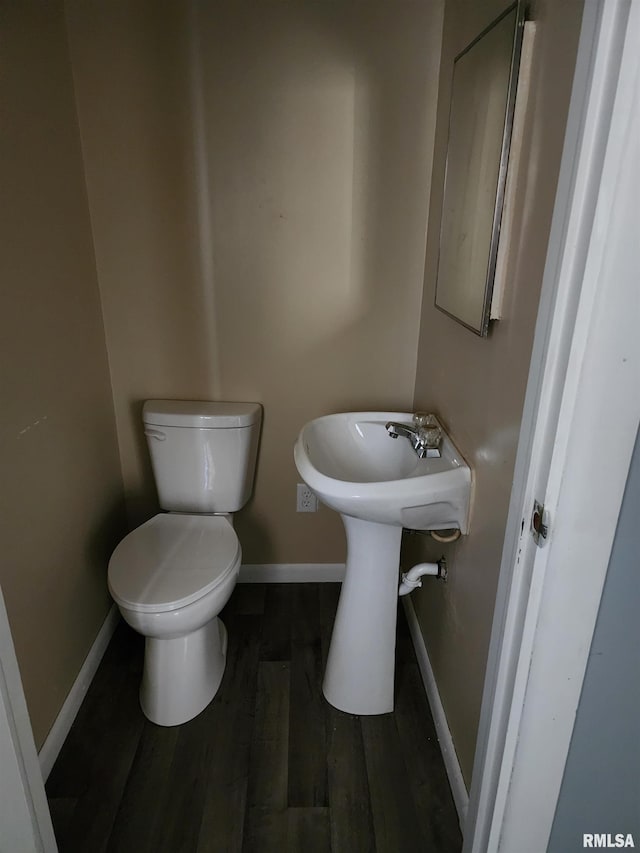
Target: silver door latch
x: 539, y: 524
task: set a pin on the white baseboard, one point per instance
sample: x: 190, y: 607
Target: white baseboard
x: 291, y: 572
x: 60, y: 729
x: 451, y: 763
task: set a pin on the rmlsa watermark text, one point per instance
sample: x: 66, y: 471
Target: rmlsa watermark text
x: 605, y: 839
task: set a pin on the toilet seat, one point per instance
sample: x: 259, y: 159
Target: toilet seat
x: 171, y: 561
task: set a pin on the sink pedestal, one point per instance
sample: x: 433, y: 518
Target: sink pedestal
x: 378, y: 485
x: 359, y: 677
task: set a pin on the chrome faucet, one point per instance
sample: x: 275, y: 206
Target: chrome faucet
x: 424, y: 434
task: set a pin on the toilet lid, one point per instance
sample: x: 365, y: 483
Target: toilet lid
x: 172, y: 560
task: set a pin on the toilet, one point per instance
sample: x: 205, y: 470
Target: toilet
x: 172, y: 576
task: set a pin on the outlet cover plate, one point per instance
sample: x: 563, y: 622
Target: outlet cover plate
x: 306, y: 500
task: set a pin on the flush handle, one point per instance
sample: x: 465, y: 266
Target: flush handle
x: 155, y: 433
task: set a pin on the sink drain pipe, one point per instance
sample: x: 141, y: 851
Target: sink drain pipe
x: 411, y: 579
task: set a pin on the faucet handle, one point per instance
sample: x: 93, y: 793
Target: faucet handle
x: 424, y: 419
x: 429, y: 429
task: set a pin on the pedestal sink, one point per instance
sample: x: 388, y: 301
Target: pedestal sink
x: 378, y: 485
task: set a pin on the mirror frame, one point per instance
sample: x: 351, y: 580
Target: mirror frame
x: 520, y: 8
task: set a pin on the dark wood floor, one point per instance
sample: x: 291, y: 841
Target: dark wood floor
x: 269, y: 765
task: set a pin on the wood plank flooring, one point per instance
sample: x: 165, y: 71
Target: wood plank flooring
x: 269, y: 765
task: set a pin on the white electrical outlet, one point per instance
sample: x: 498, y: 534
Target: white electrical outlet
x: 306, y: 500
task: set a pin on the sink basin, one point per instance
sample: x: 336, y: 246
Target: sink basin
x: 378, y: 485
x: 356, y: 468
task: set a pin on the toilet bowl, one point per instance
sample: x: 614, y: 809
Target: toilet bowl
x: 172, y: 576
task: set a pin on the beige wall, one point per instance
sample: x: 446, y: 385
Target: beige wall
x: 131, y: 69
x: 477, y: 385
x: 61, y: 498
x: 259, y: 200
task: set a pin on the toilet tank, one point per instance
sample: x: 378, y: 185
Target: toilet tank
x: 203, y: 454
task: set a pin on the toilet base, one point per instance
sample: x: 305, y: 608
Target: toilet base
x: 182, y: 675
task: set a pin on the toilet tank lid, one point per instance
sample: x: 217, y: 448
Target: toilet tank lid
x: 201, y: 414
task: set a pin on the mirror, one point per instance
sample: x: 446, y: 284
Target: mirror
x: 480, y: 121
